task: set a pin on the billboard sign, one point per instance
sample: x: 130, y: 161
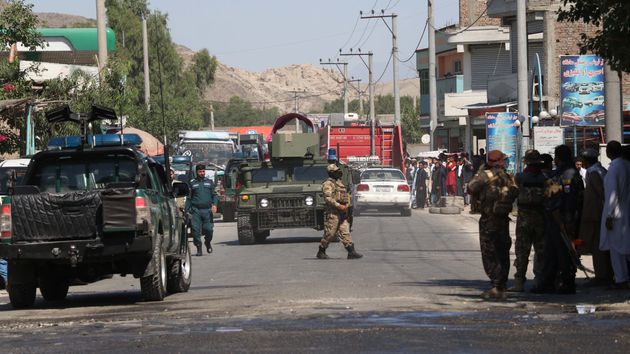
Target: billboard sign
x: 502, y: 134
x: 582, y: 90
x: 547, y: 138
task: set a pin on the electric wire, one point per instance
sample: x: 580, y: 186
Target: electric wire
x: 413, y: 54
x: 485, y: 11
x: 384, y: 70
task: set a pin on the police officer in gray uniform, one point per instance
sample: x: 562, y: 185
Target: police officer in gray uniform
x: 200, y: 205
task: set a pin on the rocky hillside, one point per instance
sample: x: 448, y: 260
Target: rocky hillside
x: 270, y: 88
x: 273, y: 87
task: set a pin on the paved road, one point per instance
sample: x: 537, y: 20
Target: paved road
x: 416, y: 289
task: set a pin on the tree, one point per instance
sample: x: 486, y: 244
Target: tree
x: 238, y: 112
x: 203, y: 68
x: 18, y: 23
x: 610, y: 40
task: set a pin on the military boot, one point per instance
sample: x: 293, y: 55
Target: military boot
x: 352, y: 254
x: 199, y: 252
x: 518, y: 287
x: 494, y: 294
x: 206, y: 241
x: 321, y: 254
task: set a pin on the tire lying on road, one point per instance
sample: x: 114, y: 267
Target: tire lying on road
x: 434, y: 210
x: 450, y: 210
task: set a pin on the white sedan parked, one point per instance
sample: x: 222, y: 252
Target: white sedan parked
x: 382, y: 188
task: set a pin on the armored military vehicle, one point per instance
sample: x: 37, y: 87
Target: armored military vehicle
x: 283, y: 192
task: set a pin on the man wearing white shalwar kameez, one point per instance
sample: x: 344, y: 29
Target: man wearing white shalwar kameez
x: 615, y: 228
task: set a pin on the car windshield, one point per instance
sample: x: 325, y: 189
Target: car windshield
x: 218, y: 153
x: 264, y: 175
x: 382, y: 175
x: 5, y: 174
x: 310, y: 173
x: 66, y: 173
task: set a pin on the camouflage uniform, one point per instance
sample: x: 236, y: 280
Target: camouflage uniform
x: 336, y: 221
x: 495, y: 189
x: 564, y: 194
x: 530, y: 223
x: 336, y: 197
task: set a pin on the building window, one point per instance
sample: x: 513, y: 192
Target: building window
x: 457, y: 67
x: 424, y: 82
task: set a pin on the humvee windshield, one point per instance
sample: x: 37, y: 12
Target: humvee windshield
x: 264, y: 175
x: 60, y: 174
x: 310, y: 173
x: 216, y: 152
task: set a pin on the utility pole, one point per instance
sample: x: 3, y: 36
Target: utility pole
x: 612, y: 88
x: 369, y: 66
x: 145, y: 52
x: 394, y: 31
x: 359, y: 93
x: 433, y: 119
x: 211, y: 117
x: 101, y: 33
x: 296, y: 109
x: 345, y: 80
x: 523, y: 87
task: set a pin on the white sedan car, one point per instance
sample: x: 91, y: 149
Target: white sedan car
x: 382, y: 188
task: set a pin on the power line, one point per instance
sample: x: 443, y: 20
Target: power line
x: 485, y: 11
x: 426, y: 24
x: 384, y: 70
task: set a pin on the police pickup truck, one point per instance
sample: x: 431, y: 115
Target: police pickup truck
x: 89, y: 207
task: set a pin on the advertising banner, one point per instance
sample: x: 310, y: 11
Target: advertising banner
x: 502, y: 134
x: 582, y: 90
x: 547, y: 138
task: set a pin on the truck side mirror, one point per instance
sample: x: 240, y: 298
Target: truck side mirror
x: 356, y: 177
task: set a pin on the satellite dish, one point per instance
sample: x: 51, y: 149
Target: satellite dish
x: 425, y: 139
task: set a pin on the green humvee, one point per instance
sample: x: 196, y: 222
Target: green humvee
x: 285, y: 192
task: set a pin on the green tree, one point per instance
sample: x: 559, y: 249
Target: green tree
x: 18, y: 23
x: 203, y: 68
x: 239, y: 112
x: 610, y: 40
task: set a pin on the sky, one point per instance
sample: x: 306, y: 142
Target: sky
x: 256, y: 35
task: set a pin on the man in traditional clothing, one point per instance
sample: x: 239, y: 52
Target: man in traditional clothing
x: 421, y: 185
x: 615, y: 228
x: 591, y: 220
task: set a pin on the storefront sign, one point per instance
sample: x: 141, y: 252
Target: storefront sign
x: 582, y: 90
x: 547, y: 138
x: 502, y: 134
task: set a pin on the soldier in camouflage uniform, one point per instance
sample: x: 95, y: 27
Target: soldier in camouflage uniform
x: 495, y: 189
x: 530, y: 223
x: 563, y: 205
x: 337, y: 201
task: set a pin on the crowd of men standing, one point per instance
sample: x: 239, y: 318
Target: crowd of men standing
x: 562, y: 212
x: 447, y: 175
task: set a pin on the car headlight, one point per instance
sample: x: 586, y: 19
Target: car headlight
x: 264, y: 203
x: 308, y: 200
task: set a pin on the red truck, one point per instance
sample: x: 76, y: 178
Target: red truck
x: 352, y: 143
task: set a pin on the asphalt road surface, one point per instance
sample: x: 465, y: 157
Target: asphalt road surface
x: 416, y: 290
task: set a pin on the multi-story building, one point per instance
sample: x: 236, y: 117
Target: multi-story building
x: 485, y: 43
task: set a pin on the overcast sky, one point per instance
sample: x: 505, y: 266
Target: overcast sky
x: 256, y: 35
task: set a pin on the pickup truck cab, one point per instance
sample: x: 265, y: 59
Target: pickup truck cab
x: 84, y: 213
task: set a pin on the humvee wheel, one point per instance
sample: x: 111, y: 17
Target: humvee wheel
x: 245, y: 229
x: 21, y: 285
x: 53, y: 288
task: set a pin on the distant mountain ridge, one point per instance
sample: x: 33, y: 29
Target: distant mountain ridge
x: 270, y: 88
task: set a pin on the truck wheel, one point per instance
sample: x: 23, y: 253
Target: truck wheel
x: 153, y: 287
x: 53, y: 288
x: 261, y: 236
x: 179, y: 273
x: 228, y: 213
x: 405, y: 212
x: 21, y: 285
x: 245, y: 230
